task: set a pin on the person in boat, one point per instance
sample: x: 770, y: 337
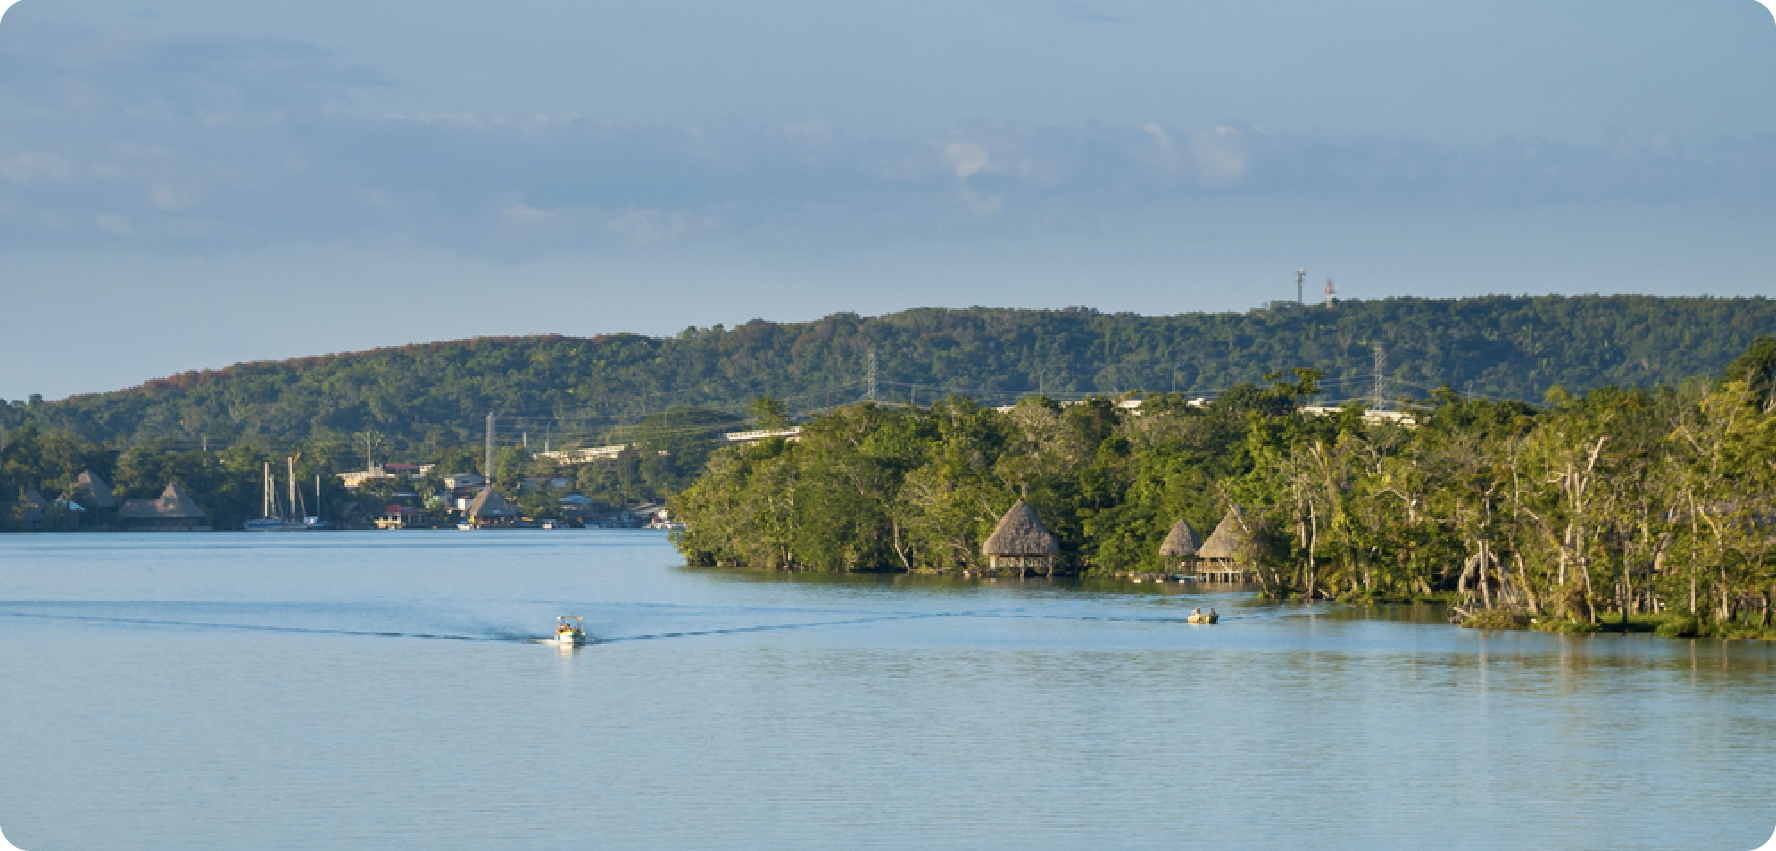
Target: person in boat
x: 1196, y: 611
x: 1212, y: 612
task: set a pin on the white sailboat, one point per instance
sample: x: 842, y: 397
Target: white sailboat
x: 275, y: 520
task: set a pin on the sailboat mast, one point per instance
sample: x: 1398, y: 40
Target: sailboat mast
x: 292, y: 462
x: 265, y: 493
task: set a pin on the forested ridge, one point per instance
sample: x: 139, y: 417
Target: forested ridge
x: 1614, y: 508
x: 421, y: 398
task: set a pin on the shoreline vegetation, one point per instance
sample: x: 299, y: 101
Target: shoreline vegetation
x: 1606, y: 511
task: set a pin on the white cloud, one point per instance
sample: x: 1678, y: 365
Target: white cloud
x: 966, y: 158
x: 31, y: 168
x: 524, y: 223
x: 657, y: 226
x: 813, y: 132
x: 1219, y: 159
x: 114, y: 224
x: 174, y: 197
x: 983, y: 206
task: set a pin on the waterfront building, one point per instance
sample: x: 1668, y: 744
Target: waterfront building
x: 488, y: 504
x: 173, y: 511
x: 1020, y: 542
x: 98, y: 492
x: 32, y: 512
x: 403, y: 517
x: 1181, y: 546
x: 1228, y: 550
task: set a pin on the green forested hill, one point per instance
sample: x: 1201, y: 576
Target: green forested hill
x: 570, y: 389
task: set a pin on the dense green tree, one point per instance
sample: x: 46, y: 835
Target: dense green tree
x: 1589, y: 510
x: 414, y: 400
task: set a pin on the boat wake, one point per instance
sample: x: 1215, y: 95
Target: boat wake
x: 1031, y: 613
x: 258, y: 627
x: 738, y: 630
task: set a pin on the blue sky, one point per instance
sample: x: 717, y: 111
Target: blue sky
x: 191, y: 183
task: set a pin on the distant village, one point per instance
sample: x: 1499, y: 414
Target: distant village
x: 470, y: 502
x: 466, y: 501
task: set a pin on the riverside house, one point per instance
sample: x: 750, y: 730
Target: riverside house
x: 1020, y: 542
x: 173, y: 511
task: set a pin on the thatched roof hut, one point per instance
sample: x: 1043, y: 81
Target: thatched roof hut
x: 172, y: 512
x: 98, y: 493
x: 1229, y: 542
x: 1021, y: 541
x: 487, y: 503
x: 32, y: 509
x: 1227, y: 548
x: 1182, y: 543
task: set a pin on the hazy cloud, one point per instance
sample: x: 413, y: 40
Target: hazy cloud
x: 516, y: 184
x: 966, y: 158
x: 1217, y: 152
x: 217, y: 143
x: 114, y: 224
x: 36, y: 168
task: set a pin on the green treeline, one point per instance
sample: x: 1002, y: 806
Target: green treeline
x: 422, y: 399
x: 226, y: 484
x: 666, y: 453
x: 1613, y: 507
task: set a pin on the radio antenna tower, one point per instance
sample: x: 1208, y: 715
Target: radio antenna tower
x: 1381, y: 365
x: 1300, y: 275
x: 1330, y: 291
x: 490, y: 448
x: 872, y: 375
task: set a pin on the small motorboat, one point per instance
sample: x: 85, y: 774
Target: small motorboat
x: 570, y: 630
x: 1197, y: 616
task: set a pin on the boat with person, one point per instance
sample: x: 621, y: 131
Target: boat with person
x: 1197, y: 616
x: 570, y: 630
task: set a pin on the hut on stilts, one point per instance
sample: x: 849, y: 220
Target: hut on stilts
x: 1020, y: 542
x: 1228, y: 551
x: 1180, y: 548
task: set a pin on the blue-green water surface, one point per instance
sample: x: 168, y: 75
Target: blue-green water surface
x: 385, y: 691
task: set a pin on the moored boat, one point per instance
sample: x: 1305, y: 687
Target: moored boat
x: 274, y: 519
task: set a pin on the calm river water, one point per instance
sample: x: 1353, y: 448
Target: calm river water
x: 381, y: 690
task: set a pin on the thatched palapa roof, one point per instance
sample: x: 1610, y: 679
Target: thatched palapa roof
x: 1020, y: 533
x: 490, y: 504
x: 1229, y: 541
x: 173, y: 504
x: 1182, y: 542
x: 100, y: 493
